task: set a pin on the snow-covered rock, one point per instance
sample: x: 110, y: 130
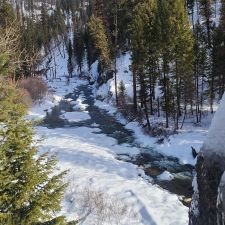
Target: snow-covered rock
x: 75, y: 116
x: 165, y: 176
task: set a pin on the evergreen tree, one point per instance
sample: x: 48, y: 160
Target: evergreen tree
x: 78, y: 44
x: 218, y: 53
x: 183, y: 58
x: 44, y: 20
x: 160, y: 31
x: 122, y: 94
x: 206, y: 11
x: 29, y: 192
x: 98, y: 35
x: 70, y: 66
x: 166, y: 40
x: 190, y: 7
x: 144, y: 50
x: 201, y: 68
x: 90, y: 49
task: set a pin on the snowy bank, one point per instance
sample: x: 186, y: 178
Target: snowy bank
x: 214, y: 145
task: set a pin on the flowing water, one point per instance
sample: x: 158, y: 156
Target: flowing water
x: 151, y: 161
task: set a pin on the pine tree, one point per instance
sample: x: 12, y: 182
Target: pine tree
x: 44, y: 20
x: 137, y: 48
x: 144, y: 51
x: 206, y: 12
x: 98, y: 34
x: 183, y: 57
x: 218, y: 53
x: 122, y: 94
x: 90, y: 49
x: 166, y: 40
x: 160, y: 31
x: 78, y: 44
x: 190, y: 7
x: 29, y: 192
x: 70, y: 66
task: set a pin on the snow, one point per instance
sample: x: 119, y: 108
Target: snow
x: 179, y: 145
x: 91, y: 160
x: 123, y: 74
x: 165, y: 176
x: 103, y: 105
x: 38, y: 111
x: 214, y: 145
x: 78, y: 104
x: 75, y: 116
x: 94, y: 71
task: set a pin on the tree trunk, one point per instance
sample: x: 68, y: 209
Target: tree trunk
x: 211, y: 93
x: 146, y: 114
x: 134, y: 90
x: 116, y: 40
x: 165, y: 95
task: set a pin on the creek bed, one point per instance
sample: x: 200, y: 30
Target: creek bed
x: 152, y: 162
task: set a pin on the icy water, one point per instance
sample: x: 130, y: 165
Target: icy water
x: 151, y: 161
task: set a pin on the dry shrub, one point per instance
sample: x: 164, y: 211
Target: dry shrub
x: 93, y: 206
x: 36, y: 87
x: 25, y: 97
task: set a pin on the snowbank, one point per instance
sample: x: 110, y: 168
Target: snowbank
x: 165, y: 176
x: 75, y: 116
x: 214, y: 145
x: 123, y: 74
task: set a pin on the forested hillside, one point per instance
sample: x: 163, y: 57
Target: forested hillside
x: 176, y: 49
x: 176, y: 54
x: 120, y: 94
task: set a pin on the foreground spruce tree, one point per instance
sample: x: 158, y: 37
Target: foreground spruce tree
x: 29, y: 192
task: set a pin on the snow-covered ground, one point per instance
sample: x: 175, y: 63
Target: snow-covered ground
x: 91, y: 160
x: 97, y: 178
